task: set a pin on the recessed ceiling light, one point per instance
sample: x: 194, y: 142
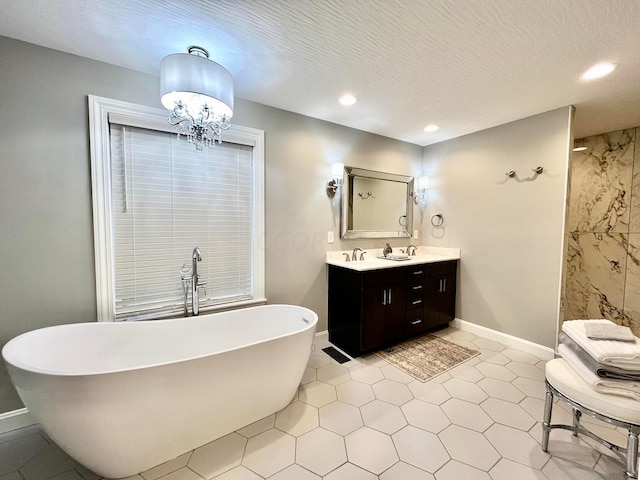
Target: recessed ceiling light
x: 431, y: 128
x: 599, y: 70
x: 348, y: 99
x: 579, y: 149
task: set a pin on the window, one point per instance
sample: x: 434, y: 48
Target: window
x: 156, y: 198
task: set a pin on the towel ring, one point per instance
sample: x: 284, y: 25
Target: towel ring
x: 437, y: 220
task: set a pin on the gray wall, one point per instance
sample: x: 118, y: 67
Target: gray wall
x: 510, y: 230
x: 299, y: 153
x: 46, y: 246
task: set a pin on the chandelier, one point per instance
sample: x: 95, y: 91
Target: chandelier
x: 199, y: 94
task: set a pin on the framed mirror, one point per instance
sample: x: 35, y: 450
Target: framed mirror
x: 376, y: 204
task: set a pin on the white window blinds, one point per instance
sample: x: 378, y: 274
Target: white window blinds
x: 168, y: 198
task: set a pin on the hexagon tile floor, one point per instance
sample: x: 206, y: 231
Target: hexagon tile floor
x: 366, y: 420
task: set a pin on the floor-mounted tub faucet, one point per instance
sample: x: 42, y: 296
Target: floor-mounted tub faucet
x: 196, y: 284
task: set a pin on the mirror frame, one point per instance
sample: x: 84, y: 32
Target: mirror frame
x: 347, y: 212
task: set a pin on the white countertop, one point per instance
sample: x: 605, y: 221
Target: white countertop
x: 371, y: 262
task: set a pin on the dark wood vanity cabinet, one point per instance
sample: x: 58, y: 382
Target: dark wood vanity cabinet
x: 374, y: 308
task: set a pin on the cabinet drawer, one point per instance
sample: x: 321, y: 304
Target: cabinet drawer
x: 415, y: 323
x: 441, y: 268
x: 414, y: 276
x: 378, y: 278
x: 415, y: 298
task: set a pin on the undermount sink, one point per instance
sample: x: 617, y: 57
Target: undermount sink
x: 382, y: 257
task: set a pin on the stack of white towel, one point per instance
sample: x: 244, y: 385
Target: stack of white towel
x: 609, y: 361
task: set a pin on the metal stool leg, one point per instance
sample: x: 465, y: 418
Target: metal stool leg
x: 576, y: 421
x: 632, y: 455
x: 546, y: 423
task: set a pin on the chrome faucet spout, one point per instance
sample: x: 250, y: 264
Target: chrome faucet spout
x: 196, y: 256
x: 354, y: 255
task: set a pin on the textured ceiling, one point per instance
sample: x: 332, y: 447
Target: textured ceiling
x: 465, y: 65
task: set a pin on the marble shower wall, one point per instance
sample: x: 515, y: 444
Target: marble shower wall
x: 603, y: 257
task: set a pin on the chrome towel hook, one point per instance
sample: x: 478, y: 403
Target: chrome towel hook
x: 538, y: 170
x: 511, y: 173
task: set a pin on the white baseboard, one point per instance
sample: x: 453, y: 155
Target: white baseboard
x: 540, y: 351
x: 15, y: 419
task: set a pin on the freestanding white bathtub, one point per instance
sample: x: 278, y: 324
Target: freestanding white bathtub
x: 123, y: 397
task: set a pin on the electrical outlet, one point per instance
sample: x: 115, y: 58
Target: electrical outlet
x: 415, y: 234
x: 330, y: 237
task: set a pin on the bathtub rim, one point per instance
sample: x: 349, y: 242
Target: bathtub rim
x: 11, y: 344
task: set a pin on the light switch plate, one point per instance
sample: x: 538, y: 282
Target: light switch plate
x: 415, y: 234
x: 330, y: 237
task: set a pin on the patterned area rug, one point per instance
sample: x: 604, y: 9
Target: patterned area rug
x: 427, y: 356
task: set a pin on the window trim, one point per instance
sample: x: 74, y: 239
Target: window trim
x: 100, y: 109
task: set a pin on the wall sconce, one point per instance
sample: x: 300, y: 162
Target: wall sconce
x: 337, y: 170
x: 421, y: 191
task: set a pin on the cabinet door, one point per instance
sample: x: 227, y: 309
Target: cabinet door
x: 432, y: 302
x: 383, y: 316
x: 440, y: 300
x: 447, y: 304
x: 372, y: 328
x: 395, y: 317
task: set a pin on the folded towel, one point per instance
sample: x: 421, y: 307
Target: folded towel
x: 624, y: 355
x: 622, y: 388
x: 605, y: 331
x: 602, y: 371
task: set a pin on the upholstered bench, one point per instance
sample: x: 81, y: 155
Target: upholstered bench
x: 563, y: 382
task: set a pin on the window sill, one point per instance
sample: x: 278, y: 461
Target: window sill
x: 254, y: 302
x: 203, y: 311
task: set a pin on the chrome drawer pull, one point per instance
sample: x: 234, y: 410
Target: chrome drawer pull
x: 417, y: 287
x: 416, y: 322
x: 416, y: 302
x: 419, y: 272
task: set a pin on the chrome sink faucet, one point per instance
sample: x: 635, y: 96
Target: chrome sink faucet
x: 196, y: 284
x: 354, y: 255
x: 409, y: 252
